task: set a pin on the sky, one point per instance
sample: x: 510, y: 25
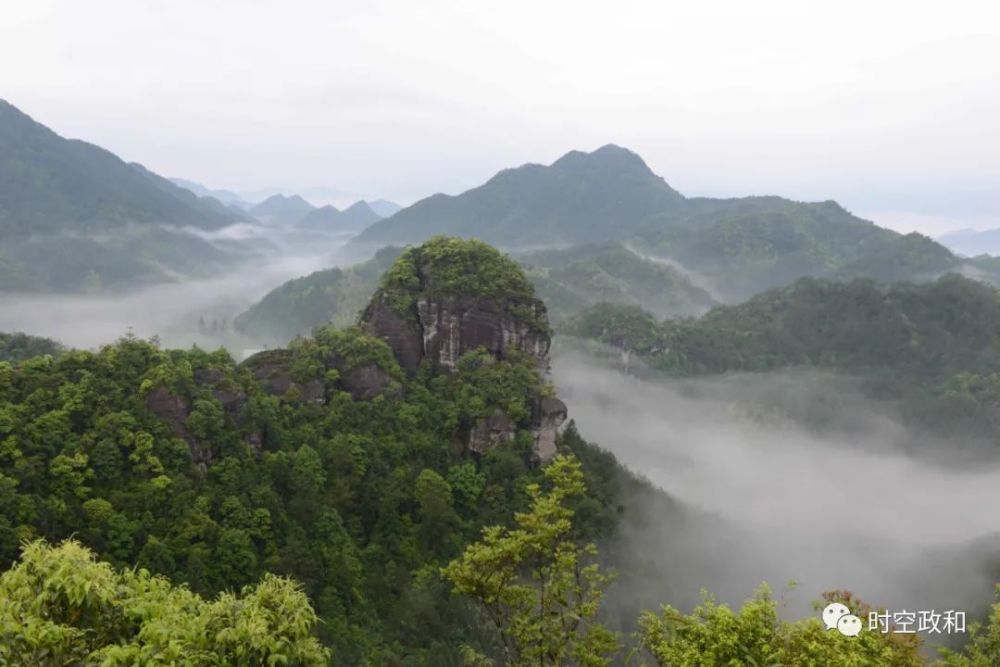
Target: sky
x: 891, y: 108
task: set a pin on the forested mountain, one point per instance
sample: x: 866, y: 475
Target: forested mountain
x: 741, y: 246
x: 279, y: 209
x: 580, y: 198
x: 50, y: 184
x: 569, y: 280
x: 343, y: 485
x: 354, y: 218
x: 936, y: 345
x: 334, y: 296
x: 75, y: 217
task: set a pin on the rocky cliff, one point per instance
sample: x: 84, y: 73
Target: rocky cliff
x: 448, y: 297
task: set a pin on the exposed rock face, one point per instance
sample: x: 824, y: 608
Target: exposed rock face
x: 366, y: 382
x: 442, y: 329
x: 434, y: 310
x: 174, y: 410
x: 550, y: 413
x: 451, y: 326
x: 272, y: 369
x: 494, y: 430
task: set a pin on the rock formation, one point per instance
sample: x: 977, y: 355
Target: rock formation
x: 448, y: 297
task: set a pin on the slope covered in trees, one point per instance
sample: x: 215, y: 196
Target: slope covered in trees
x: 936, y: 345
x: 741, y: 245
x: 367, y: 481
x: 74, y: 216
x: 567, y: 280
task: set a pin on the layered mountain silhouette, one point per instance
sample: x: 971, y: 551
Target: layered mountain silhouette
x: 354, y: 218
x: 741, y: 245
x: 74, y: 216
x: 280, y: 209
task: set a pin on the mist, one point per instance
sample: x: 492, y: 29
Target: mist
x: 853, y: 504
x: 171, y: 311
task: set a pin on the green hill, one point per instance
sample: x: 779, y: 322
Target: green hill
x: 334, y: 296
x: 73, y: 215
x: 934, y: 346
x: 580, y: 198
x: 741, y: 246
x: 567, y: 280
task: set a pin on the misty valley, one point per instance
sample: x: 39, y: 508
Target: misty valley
x: 570, y: 416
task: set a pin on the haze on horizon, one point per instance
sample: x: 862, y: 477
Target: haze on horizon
x: 891, y: 109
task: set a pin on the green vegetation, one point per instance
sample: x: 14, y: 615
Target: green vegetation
x: 334, y: 296
x: 580, y: 198
x: 569, y: 280
x: 358, y: 500
x: 20, y: 346
x: 75, y: 217
x: 757, y: 243
x: 566, y: 280
x: 930, y: 348
x: 62, y: 607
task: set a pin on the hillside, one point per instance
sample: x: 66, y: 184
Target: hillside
x: 933, y: 346
x: 740, y: 246
x: 567, y: 280
x: 580, y: 198
x: 333, y: 461
x: 74, y: 216
x: 16, y: 347
x: 334, y: 296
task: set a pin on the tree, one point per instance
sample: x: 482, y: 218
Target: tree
x: 60, y: 606
x: 713, y: 634
x: 533, y: 581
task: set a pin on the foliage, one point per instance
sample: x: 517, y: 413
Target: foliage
x: 713, y: 634
x: 333, y: 296
x: 16, y: 347
x: 60, y: 606
x: 534, y: 582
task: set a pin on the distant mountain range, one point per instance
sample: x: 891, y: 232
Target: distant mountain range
x: 74, y: 216
x: 354, y: 218
x: 279, y: 209
x: 227, y: 197
x: 971, y: 242
x: 740, y: 245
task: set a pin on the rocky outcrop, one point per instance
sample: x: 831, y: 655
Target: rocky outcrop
x: 448, y: 297
x: 496, y: 429
x: 441, y: 329
x: 549, y: 415
x: 273, y: 371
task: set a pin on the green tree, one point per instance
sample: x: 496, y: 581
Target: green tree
x: 59, y: 606
x: 534, y: 582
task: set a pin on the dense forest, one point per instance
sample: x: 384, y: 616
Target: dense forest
x: 331, y: 502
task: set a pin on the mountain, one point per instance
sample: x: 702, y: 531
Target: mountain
x: 74, y: 216
x: 579, y: 198
x: 328, y: 218
x: 573, y: 278
x: 227, y: 197
x: 932, y: 348
x: 971, y: 242
x: 737, y: 246
x: 334, y: 296
x: 330, y: 462
x: 567, y: 280
x: 49, y: 184
x: 384, y: 208
x: 279, y: 209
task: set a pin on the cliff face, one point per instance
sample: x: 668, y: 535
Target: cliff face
x: 448, y: 297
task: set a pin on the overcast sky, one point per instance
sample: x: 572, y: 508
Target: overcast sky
x: 892, y: 108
